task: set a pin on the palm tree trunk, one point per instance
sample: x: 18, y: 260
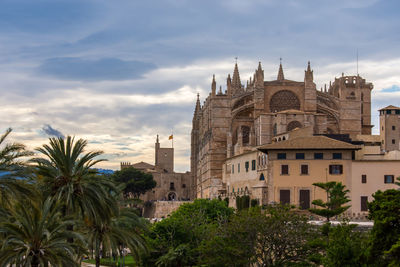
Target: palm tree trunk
x: 97, y: 253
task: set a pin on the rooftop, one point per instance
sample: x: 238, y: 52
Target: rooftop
x: 390, y: 107
x: 309, y: 143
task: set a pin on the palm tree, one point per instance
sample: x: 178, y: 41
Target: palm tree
x: 36, y: 235
x: 111, y: 236
x: 67, y: 174
x: 12, y: 169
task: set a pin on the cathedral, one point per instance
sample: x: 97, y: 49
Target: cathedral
x: 241, y: 118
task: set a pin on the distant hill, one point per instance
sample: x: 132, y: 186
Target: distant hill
x: 105, y: 171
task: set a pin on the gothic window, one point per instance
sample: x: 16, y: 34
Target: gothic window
x: 284, y: 100
x: 293, y: 125
x: 245, y: 134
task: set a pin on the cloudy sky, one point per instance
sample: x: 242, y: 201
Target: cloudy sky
x: 119, y: 72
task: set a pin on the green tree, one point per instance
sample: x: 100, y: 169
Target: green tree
x: 36, y: 234
x: 136, y: 182
x: 175, y: 240
x: 278, y: 237
x: 345, y: 246
x: 336, y: 198
x: 385, y: 234
x: 66, y: 173
x: 12, y: 169
x: 119, y: 231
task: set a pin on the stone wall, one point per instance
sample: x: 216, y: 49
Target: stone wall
x: 161, y: 209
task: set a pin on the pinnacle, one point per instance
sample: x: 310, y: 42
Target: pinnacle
x: 281, y: 77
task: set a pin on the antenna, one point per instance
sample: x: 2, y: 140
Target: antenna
x: 357, y: 61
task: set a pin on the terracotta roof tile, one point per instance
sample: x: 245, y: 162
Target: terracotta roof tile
x: 390, y: 107
x: 309, y: 143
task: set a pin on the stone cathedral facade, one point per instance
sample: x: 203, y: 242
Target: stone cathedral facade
x: 241, y: 118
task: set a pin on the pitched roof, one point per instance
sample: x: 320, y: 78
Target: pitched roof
x: 142, y: 165
x: 309, y: 143
x: 390, y: 107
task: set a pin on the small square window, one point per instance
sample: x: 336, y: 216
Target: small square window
x: 304, y: 169
x: 246, y: 165
x: 389, y: 179
x: 393, y: 141
x: 394, y: 128
x: 318, y: 155
x: 299, y: 155
x: 337, y: 155
x: 364, y: 178
x: 284, y: 169
x: 253, y: 164
x: 335, y: 169
x: 281, y: 155
x: 183, y: 185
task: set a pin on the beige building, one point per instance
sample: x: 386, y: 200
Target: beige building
x: 296, y: 164
x: 390, y: 128
x: 240, y: 118
x: 171, y: 185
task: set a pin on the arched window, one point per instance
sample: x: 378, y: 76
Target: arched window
x: 262, y: 177
x: 245, y: 134
x: 284, y: 100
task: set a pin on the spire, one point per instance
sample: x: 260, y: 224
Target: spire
x: 157, y: 141
x: 259, y: 66
x: 309, y: 74
x: 281, y: 77
x: 228, y: 85
x: 259, y: 76
x: 220, y: 90
x: 197, y: 104
x: 213, y: 85
x: 236, y: 78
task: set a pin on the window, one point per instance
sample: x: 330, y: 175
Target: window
x: 389, y: 179
x: 318, y: 155
x: 238, y: 167
x: 171, y: 186
x: 233, y: 190
x: 253, y: 164
x: 284, y: 169
x: 364, y: 203
x: 304, y: 169
x: 246, y: 165
x: 262, y: 178
x: 299, y: 155
x: 183, y: 185
x: 335, y: 169
x: 394, y: 128
x: 281, y: 155
x: 393, y: 141
x: 364, y: 178
x: 388, y: 112
x: 337, y: 155
x: 233, y: 168
x: 397, y: 111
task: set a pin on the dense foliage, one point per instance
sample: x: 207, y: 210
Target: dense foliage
x: 136, y: 182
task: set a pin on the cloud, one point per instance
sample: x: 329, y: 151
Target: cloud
x: 71, y: 68
x: 394, y: 88
x: 50, y: 131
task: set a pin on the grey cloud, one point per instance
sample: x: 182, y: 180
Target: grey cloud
x: 47, y: 129
x: 73, y: 68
